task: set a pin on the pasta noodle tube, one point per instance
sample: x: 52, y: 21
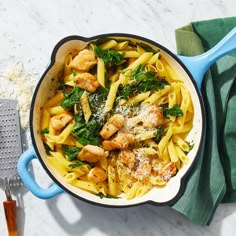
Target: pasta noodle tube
x: 130, y: 54
x: 141, y: 60
x: 55, y: 110
x: 153, y: 99
x: 172, y: 73
x: 114, y: 78
x: 182, y: 156
x: 61, y: 169
x: 130, y: 194
x: 63, y: 135
x: 67, y: 64
x: 84, y: 100
x: 172, y: 152
x: 82, y: 170
x: 184, y: 106
x: 138, y: 98
x: 85, y: 185
x: 182, y: 129
x: 181, y: 143
x: 164, y: 141
x: 45, y: 119
x: 140, y: 50
x: 52, y: 132
x: 102, y: 188
x: 142, y: 190
x: 171, y: 103
x: 113, y: 186
x: 55, y: 100
x: 101, y: 72
x: 157, y: 180
x: 176, y: 89
x: 71, y: 176
x: 161, y: 69
x: 111, y: 96
x: 165, y: 156
x: 108, y: 44
x: 154, y: 58
x: 121, y: 45
x: 61, y: 160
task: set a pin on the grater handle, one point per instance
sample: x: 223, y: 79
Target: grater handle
x: 28, y: 180
x: 10, y: 213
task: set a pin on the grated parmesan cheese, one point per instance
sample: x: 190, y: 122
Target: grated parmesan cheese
x: 17, y: 83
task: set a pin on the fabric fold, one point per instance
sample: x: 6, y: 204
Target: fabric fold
x: 213, y: 179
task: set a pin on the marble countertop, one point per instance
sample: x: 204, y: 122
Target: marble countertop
x: 29, y: 31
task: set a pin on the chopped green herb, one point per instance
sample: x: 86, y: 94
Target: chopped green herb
x: 62, y: 85
x: 161, y: 132
x: 44, y: 131
x: 70, y: 152
x: 126, y: 92
x: 72, y: 97
x: 154, y: 84
x: 190, y: 146
x: 110, y: 57
x: 174, y: 111
x: 101, y: 41
x: 77, y: 164
x: 101, y: 195
x: 80, y: 163
x: 97, y: 99
x: 148, y: 48
x: 144, y: 81
x: 74, y: 72
x: 147, y: 80
x: 86, y: 133
x: 47, y: 148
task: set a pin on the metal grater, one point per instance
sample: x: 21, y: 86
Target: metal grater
x: 10, y: 138
x: 10, y: 151
x: 10, y: 141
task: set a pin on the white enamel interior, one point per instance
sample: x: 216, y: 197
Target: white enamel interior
x: 157, y: 195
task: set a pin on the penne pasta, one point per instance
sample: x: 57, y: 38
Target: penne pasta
x: 141, y: 60
x: 164, y: 141
x: 118, y: 122
x: 55, y: 100
x: 121, y: 45
x: 85, y: 106
x: 55, y: 110
x: 101, y: 72
x: 172, y: 152
x: 108, y: 44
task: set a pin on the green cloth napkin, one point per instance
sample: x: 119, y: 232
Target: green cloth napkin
x: 213, y: 179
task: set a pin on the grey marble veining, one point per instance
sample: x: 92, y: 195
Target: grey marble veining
x: 28, y: 32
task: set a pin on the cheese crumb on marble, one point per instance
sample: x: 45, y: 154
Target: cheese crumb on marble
x: 17, y: 83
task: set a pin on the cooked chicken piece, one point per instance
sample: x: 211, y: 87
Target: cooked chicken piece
x: 153, y: 116
x: 120, y: 141
x: 59, y: 121
x: 97, y: 174
x: 168, y: 171
x: 84, y: 60
x: 113, y: 124
x: 91, y: 153
x: 127, y: 157
x: 87, y: 82
x: 143, y: 170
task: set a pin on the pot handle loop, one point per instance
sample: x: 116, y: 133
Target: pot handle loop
x: 198, y: 65
x: 28, y: 180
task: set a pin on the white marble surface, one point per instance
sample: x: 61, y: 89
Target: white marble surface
x: 28, y: 32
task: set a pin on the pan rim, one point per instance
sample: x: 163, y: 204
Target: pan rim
x: 132, y: 36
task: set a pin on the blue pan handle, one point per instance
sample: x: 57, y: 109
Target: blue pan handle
x: 198, y: 65
x: 28, y: 180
